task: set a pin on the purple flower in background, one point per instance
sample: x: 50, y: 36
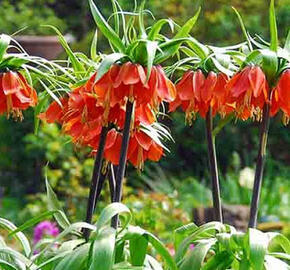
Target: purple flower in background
x: 45, y: 228
x: 191, y: 246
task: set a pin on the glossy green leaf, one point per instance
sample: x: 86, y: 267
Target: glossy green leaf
x: 220, y: 261
x: 151, y: 47
x: 181, y: 233
x: 70, y: 245
x: 76, y: 260
x: 10, y: 227
x: 138, y: 249
x: 94, y: 46
x: 72, y: 229
x: 13, y: 62
x: 134, y: 232
x: 257, y: 247
x: 219, y: 65
x: 103, y: 250
x: 4, y: 43
x: 152, y: 264
x: 273, y: 27
x: 112, y: 210
x: 116, y: 16
x: 119, y: 251
x: 33, y: 221
x: 244, y: 29
x: 54, y: 205
x: 254, y: 57
x: 50, y: 92
x: 143, y: 34
x: 195, y: 258
x: 17, y: 256
x: 53, y: 261
x: 108, y: 61
x: 207, y: 230
x: 170, y: 48
x: 272, y: 263
x: 106, y: 29
x: 201, y: 50
x: 156, y: 28
x: 7, y: 266
x: 277, y: 241
x: 269, y: 64
x: 42, y: 100
x: 280, y: 255
x: 161, y: 250
x: 287, y: 42
x: 76, y: 64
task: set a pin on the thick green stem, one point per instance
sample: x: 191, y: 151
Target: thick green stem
x: 123, y: 158
x: 97, y: 180
x: 264, y: 129
x: 213, y: 168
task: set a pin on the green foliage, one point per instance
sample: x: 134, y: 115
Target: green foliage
x: 218, y: 246
x: 17, y: 15
x: 107, y: 247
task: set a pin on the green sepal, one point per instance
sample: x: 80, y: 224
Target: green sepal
x: 269, y: 64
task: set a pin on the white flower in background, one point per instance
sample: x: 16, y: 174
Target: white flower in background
x: 247, y: 177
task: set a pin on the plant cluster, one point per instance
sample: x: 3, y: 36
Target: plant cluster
x: 112, y: 103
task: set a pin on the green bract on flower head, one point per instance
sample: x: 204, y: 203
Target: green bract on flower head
x: 272, y: 58
x: 135, y: 42
x: 10, y: 61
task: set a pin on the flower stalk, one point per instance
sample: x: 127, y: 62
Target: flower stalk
x: 112, y: 180
x: 264, y: 130
x: 97, y: 180
x: 213, y: 167
x: 123, y: 158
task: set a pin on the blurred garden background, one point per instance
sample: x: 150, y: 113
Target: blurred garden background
x: 166, y: 193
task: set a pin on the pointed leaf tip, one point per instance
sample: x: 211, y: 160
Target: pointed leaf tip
x: 273, y: 27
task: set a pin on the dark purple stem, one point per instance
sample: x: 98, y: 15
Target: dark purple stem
x: 97, y: 180
x: 264, y: 130
x: 213, y: 168
x: 123, y: 158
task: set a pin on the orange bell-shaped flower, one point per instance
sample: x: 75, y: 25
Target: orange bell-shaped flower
x: 249, y: 92
x: 280, y: 96
x: 196, y: 93
x: 16, y: 94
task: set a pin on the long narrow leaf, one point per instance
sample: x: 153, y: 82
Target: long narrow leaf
x: 76, y: 260
x: 10, y: 227
x: 257, y: 247
x: 106, y: 29
x: 194, y: 260
x: 273, y: 27
x: 244, y: 30
x: 76, y: 64
x: 103, y: 250
x: 54, y: 205
x: 112, y: 210
x: 108, y: 61
x: 4, y: 43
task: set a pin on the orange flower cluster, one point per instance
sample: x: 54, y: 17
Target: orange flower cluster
x: 196, y: 93
x: 16, y: 94
x: 102, y: 103
x: 245, y: 94
x: 280, y: 96
x: 249, y: 91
